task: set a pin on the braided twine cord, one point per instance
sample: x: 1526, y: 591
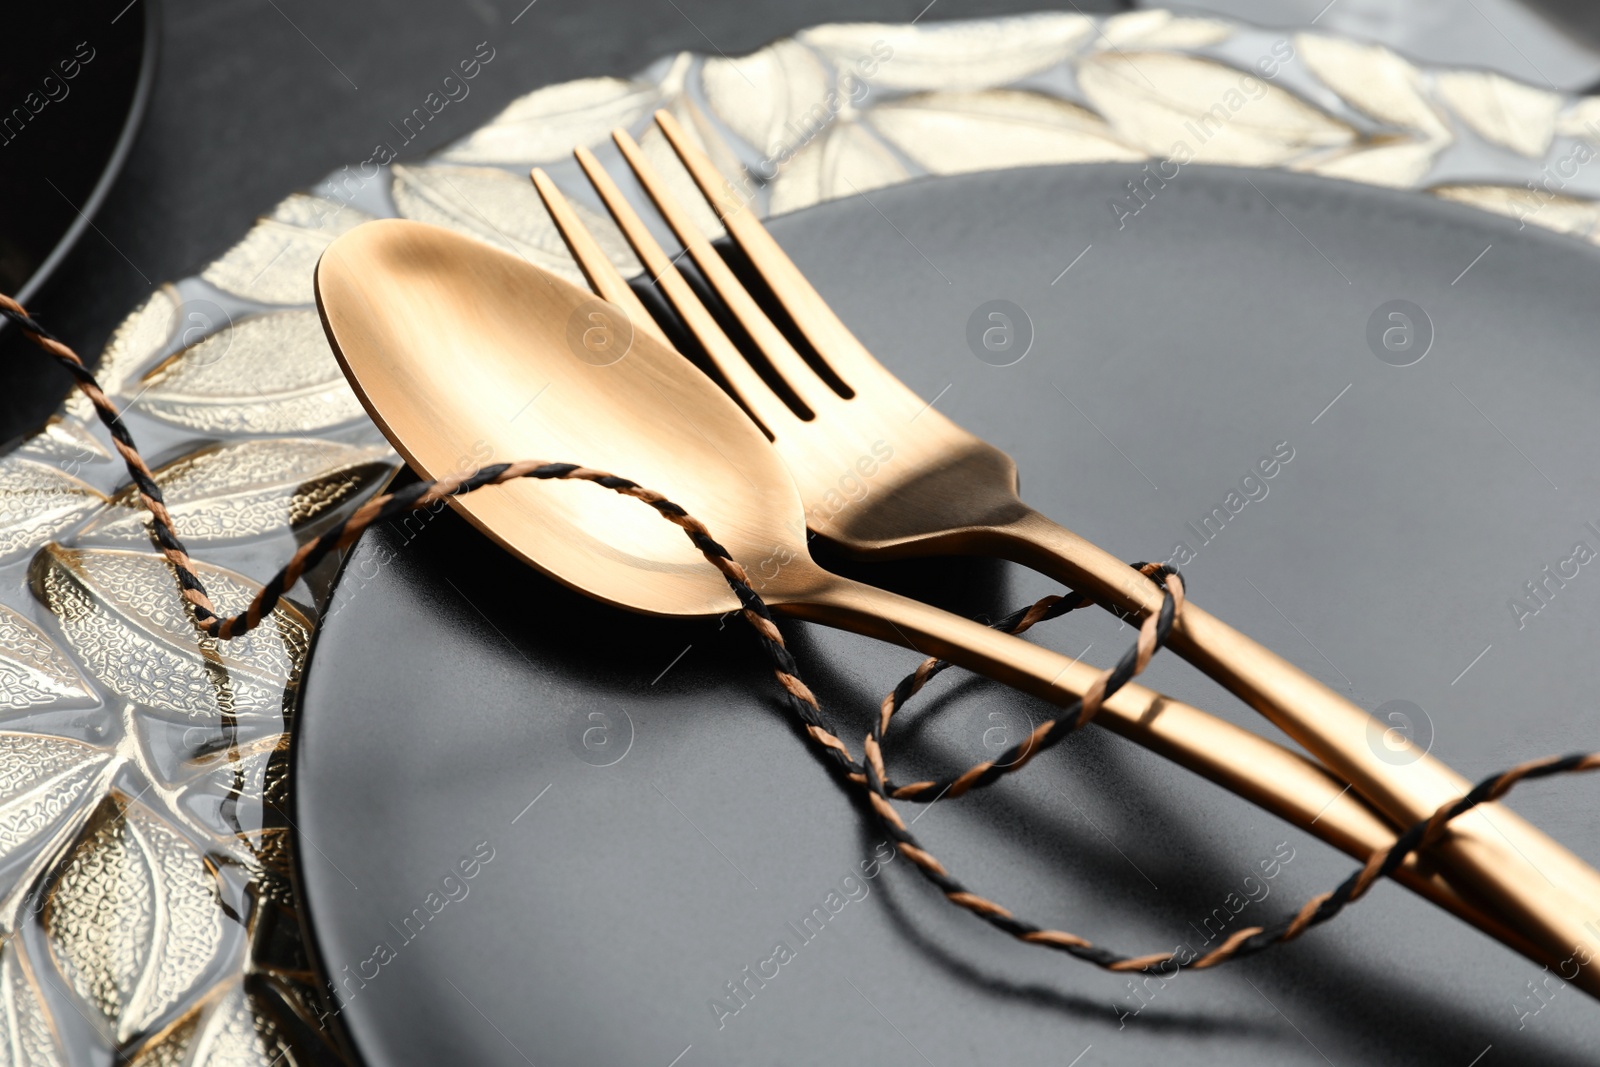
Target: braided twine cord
x: 872, y: 774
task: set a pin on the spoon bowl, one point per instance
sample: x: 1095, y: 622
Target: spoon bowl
x: 466, y: 356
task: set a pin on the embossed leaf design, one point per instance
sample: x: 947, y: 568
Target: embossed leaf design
x: 1373, y: 80
x: 1564, y: 214
x: 846, y: 160
x: 330, y: 217
x: 502, y: 210
x: 236, y: 1033
x: 275, y: 261
x: 33, y: 671
x: 38, y: 502
x: 1502, y: 111
x: 951, y: 56
x: 278, y: 951
x: 547, y: 124
x: 237, y: 792
x: 228, y: 492
x: 1158, y: 100
x: 169, y: 1046
x: 41, y: 779
x: 270, y: 374
x: 236, y: 1025
x: 273, y: 264
x: 266, y: 857
x: 64, y: 445
x: 257, y: 770
x: 771, y: 97
x: 1160, y: 29
x: 1398, y: 162
x: 951, y: 133
x: 131, y: 917
x: 137, y: 341
x: 268, y: 854
x: 1581, y: 118
x: 123, y: 616
x: 30, y: 1037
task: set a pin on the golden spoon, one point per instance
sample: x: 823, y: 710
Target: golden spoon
x: 465, y: 355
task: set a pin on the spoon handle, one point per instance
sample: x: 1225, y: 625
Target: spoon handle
x: 1540, y: 886
x: 1274, y: 778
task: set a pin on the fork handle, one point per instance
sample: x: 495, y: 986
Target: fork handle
x: 1539, y: 886
x: 1261, y: 771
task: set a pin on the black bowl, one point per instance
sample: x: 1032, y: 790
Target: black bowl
x: 72, y: 94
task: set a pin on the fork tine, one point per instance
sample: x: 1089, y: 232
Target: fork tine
x: 830, y: 337
x: 790, y: 365
x: 604, y: 278
x: 756, y: 396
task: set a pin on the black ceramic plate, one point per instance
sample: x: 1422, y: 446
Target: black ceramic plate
x: 72, y: 90
x: 641, y: 825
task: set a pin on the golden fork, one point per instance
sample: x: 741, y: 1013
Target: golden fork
x: 950, y: 493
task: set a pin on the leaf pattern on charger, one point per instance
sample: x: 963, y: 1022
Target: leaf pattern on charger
x: 267, y: 374
x: 39, y: 502
x: 273, y: 264
x: 64, y: 445
x: 139, y: 339
x: 236, y: 1025
x: 1502, y: 111
x: 279, y: 954
x: 547, y: 124
x: 131, y: 917
x: 33, y: 671
x: 256, y: 771
x: 1581, y: 119
x: 268, y: 854
x: 952, y: 56
x: 846, y: 160
x: 229, y: 492
x: 770, y: 97
x: 1397, y: 162
x: 1158, y: 28
x: 42, y: 778
x: 1373, y: 80
x: 234, y: 1033
x: 953, y: 133
x: 298, y: 996
x: 502, y: 210
x: 122, y: 614
x: 169, y: 1046
x: 241, y: 795
x: 329, y: 217
x: 31, y: 1038
x: 1158, y: 99
x: 1553, y: 211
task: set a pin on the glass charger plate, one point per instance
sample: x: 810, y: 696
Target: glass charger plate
x: 145, y: 784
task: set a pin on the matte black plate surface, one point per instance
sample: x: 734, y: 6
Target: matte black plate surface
x: 656, y: 827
